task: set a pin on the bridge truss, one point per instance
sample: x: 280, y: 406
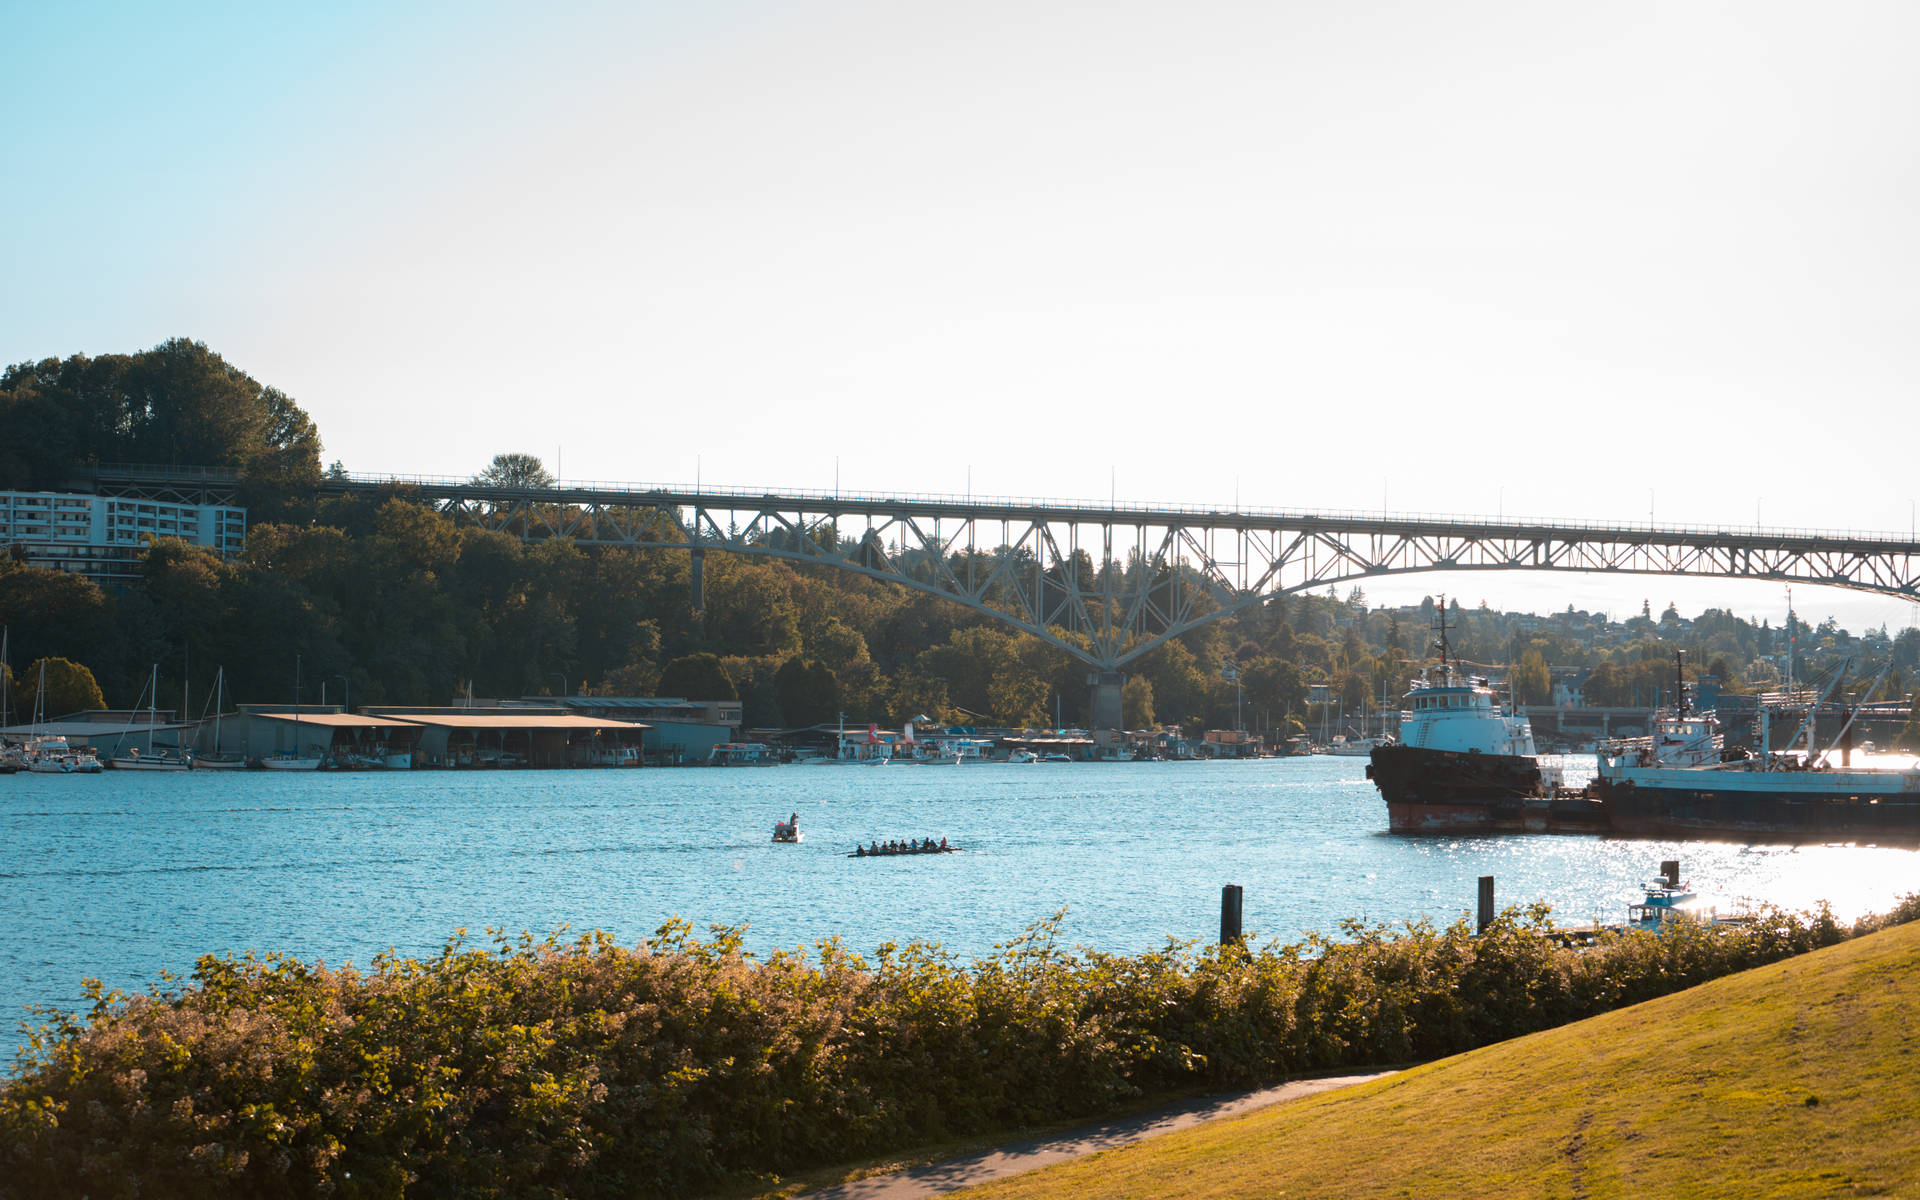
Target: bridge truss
x: 1109, y: 583
x: 1105, y: 583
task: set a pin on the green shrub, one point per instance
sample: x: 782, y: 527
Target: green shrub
x: 588, y: 1069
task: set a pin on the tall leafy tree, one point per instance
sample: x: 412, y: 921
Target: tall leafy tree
x: 1136, y: 702
x: 697, y: 677
x: 809, y: 692
x: 1532, y: 682
x: 515, y: 471
x: 70, y: 686
x: 55, y: 612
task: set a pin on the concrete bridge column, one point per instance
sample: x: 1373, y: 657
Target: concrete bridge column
x: 1105, y: 711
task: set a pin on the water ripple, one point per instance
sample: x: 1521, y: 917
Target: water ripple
x: 118, y: 876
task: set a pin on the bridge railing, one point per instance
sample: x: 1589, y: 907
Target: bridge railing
x: 610, y: 489
x: 157, y: 474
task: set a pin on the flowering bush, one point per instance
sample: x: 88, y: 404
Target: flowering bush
x: 582, y: 1068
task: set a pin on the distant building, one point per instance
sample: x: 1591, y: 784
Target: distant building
x: 1232, y: 743
x: 511, y: 735
x: 678, y: 730
x: 105, y: 537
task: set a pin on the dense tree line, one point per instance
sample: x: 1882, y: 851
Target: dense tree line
x: 178, y: 404
x: 410, y: 605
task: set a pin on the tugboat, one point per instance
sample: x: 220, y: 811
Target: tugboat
x: 1464, y: 764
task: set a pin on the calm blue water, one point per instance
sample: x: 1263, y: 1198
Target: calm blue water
x: 119, y: 875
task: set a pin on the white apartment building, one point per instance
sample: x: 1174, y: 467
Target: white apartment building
x: 104, y: 537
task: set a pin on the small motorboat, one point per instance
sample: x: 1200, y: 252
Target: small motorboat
x: 153, y: 760
x: 788, y: 831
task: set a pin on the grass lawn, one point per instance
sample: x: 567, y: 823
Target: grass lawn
x: 1798, y: 1079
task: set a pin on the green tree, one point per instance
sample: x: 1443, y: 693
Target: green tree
x: 697, y: 677
x: 809, y: 692
x: 913, y: 693
x: 1351, y: 686
x: 514, y: 471
x: 70, y: 686
x: 1136, y: 702
x: 751, y: 608
x: 1532, y: 682
x: 56, y: 612
x: 1274, y: 687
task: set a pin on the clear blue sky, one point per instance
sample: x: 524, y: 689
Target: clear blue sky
x: 1579, y: 260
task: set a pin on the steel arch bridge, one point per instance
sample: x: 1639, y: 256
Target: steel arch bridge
x: 1104, y: 583
x: 1119, y: 580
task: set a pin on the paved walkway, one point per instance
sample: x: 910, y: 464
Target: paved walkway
x: 988, y: 1165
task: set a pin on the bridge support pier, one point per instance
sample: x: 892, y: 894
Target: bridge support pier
x: 1105, y: 711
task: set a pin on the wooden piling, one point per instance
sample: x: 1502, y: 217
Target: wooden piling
x: 1230, y: 912
x: 1486, y: 902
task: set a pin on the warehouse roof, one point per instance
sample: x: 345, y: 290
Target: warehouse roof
x: 460, y: 719
x: 334, y: 720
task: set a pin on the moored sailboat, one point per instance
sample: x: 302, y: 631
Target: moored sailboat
x: 219, y: 759
x: 293, y: 760
x: 153, y: 760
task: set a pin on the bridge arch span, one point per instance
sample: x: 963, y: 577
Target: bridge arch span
x: 1043, y: 564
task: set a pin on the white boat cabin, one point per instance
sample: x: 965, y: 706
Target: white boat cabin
x: 1463, y: 718
x: 1692, y: 740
